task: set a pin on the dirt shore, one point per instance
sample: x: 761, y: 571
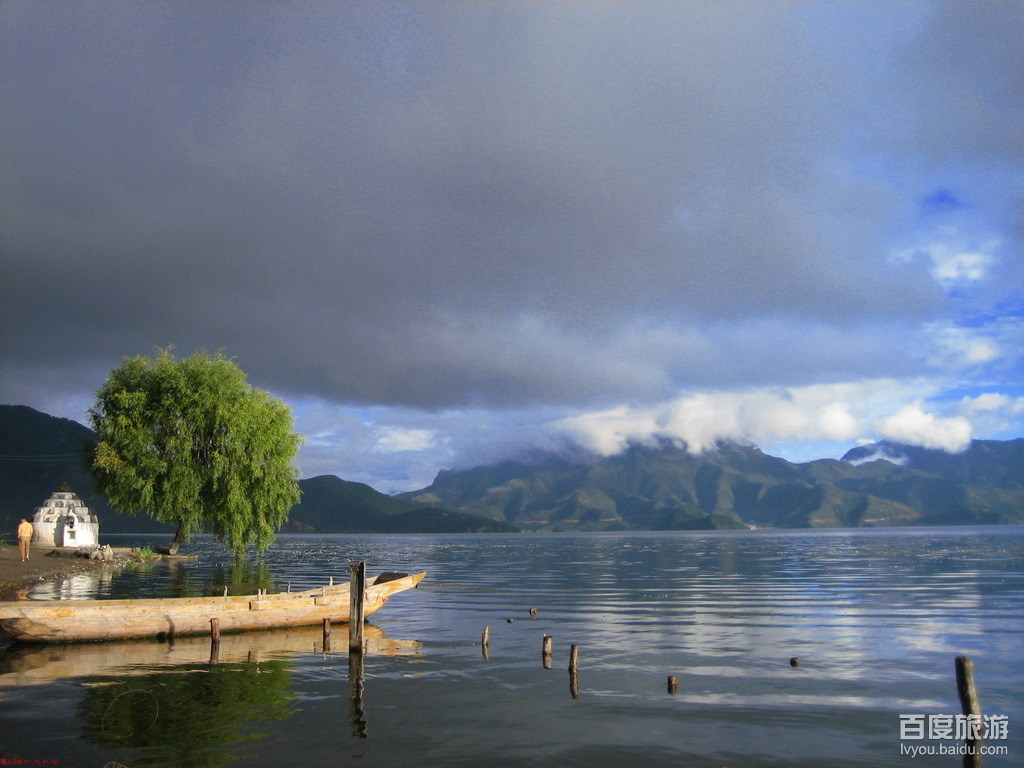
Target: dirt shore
x: 17, y: 577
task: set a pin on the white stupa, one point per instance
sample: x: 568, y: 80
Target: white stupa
x: 64, y: 521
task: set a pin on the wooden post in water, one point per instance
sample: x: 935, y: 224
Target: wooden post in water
x: 356, y: 606
x: 356, y: 618
x: 327, y: 634
x: 673, y: 684
x: 574, y: 676
x: 972, y: 709
x: 214, y: 641
x: 545, y: 650
x: 485, y: 642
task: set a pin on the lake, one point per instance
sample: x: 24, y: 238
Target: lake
x: 875, y: 617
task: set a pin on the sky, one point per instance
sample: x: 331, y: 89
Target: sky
x: 451, y: 233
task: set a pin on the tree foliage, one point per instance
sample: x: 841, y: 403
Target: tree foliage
x: 192, y: 444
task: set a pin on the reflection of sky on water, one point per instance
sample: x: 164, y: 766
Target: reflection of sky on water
x: 77, y: 586
x: 876, y: 618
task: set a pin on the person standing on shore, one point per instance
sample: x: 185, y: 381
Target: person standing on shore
x: 25, y: 532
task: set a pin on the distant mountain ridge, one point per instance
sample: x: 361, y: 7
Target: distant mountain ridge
x: 660, y: 487
x: 667, y: 488
x: 332, y: 505
x: 39, y: 452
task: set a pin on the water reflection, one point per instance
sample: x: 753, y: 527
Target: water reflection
x: 192, y: 702
x: 356, y: 708
x: 76, y: 586
x: 183, y: 718
x: 22, y: 665
x: 183, y: 578
x: 875, y: 617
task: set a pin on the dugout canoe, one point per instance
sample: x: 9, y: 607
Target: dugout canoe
x: 73, y: 621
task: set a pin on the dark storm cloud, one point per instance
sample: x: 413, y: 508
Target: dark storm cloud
x: 444, y: 204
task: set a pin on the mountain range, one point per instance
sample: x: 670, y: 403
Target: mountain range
x: 646, y: 487
x: 39, y: 453
x: 665, y: 487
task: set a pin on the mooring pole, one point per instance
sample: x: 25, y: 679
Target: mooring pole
x: 327, y: 634
x: 356, y: 606
x: 214, y: 640
x: 972, y: 709
x: 574, y: 677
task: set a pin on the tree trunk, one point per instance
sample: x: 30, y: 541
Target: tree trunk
x: 179, y: 537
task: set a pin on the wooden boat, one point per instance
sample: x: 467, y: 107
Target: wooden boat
x: 68, y: 621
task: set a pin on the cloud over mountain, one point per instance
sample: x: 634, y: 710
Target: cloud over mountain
x: 519, y: 214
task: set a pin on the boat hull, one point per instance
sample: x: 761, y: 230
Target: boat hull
x: 67, y: 621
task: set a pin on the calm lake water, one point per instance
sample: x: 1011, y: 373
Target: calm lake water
x: 876, y: 618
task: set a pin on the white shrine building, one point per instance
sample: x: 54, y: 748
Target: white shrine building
x: 64, y: 521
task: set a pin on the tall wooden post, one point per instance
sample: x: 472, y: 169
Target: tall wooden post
x: 215, y: 629
x: 214, y: 640
x: 972, y: 709
x: 574, y: 677
x: 356, y: 606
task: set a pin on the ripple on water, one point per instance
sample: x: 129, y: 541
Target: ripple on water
x: 876, y: 619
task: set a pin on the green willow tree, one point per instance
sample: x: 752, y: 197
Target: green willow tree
x: 192, y: 444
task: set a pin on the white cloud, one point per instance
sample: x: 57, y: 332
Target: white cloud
x: 952, y: 266
x: 911, y: 424
x: 394, y: 439
x: 610, y: 431
x: 833, y: 412
x: 993, y: 413
x: 837, y: 423
x: 963, y: 348
x: 402, y: 449
x: 989, y: 401
x: 881, y: 453
x: 322, y: 439
x: 981, y: 340
x: 952, y: 261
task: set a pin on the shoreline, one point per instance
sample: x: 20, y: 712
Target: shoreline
x: 17, y: 577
